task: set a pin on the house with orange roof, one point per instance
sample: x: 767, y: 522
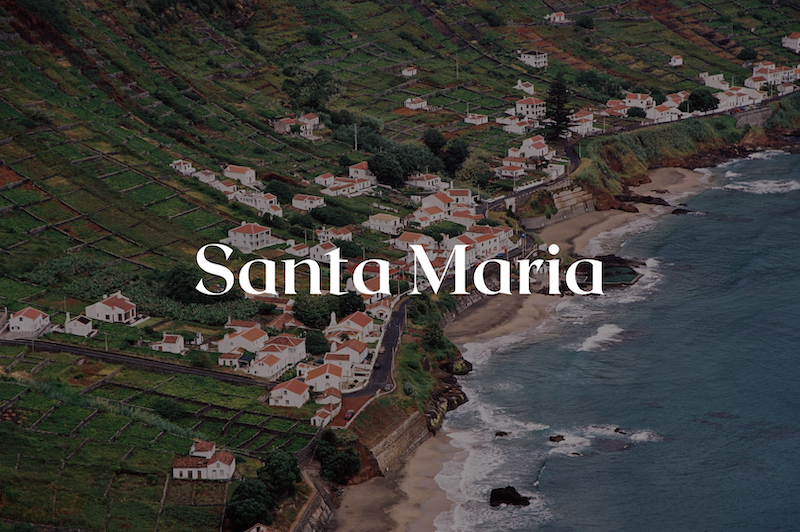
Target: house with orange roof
x: 182, y: 166
x: 298, y: 250
x: 334, y: 233
x: 409, y: 71
x: 357, y: 326
x: 525, y: 86
x: 252, y: 340
x: 408, y: 238
x: 343, y: 362
x: 792, y: 42
x: 249, y: 237
x: 476, y: 119
x: 79, y: 326
x: 635, y: 99
x: 663, y: 113
x: 321, y: 252
x: 675, y: 61
x: 288, y: 347
x: 354, y: 350
x: 323, y: 377
x: 325, y: 180
x: 385, y: 223
x: 530, y: 107
x: 556, y: 18
x: 205, y: 176
x: 28, y: 320
x: 381, y: 309
x: 311, y: 121
x: 268, y: 365
x: 243, y: 174
x: 204, y: 463
x: 430, y: 182
x: 416, y: 103
x: 325, y: 414
x: 226, y: 186
x: 170, y: 343
x: 230, y: 360
x: 293, y: 393
x: 286, y: 321
x: 361, y: 171
x: 471, y: 251
x: 115, y: 308
x: 306, y: 202
x: 260, y: 201
x: 465, y: 218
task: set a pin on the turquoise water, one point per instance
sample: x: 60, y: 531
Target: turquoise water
x: 698, y: 364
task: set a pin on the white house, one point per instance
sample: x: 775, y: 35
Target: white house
x: 343, y: 362
x: 642, y: 101
x: 321, y: 252
x: 203, y: 464
x: 716, y: 81
x: 230, y: 360
x: 357, y: 322
x: 252, y: 340
x: 325, y: 180
x: 525, y: 86
x: 28, y: 320
x: 170, y: 343
x: 243, y: 174
x: 268, y: 366
x: 311, y: 121
x: 427, y: 182
x: 427, y: 216
x: 292, y: 393
x: 334, y: 233
x: 792, y: 42
x: 385, y: 223
x: 478, y: 120
x: 530, y: 107
x: 354, y: 350
x: 531, y: 147
x: 182, y: 166
x: 260, y: 201
x: 287, y: 347
x: 675, y: 60
x: 205, y: 176
x: 534, y: 58
x: 115, y: 308
x: 441, y: 200
x: 361, y: 171
x: 582, y: 122
x: 249, y: 237
x: 556, y: 18
x: 324, y: 377
x: 325, y: 414
x: 509, y: 171
x: 79, y: 326
x: 517, y: 126
x: 416, y: 103
x: 662, y: 113
x: 226, y: 186
x: 298, y: 250
x: 305, y: 202
x: 409, y: 71
x: 406, y: 239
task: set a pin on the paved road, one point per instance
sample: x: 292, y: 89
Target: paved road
x: 160, y: 366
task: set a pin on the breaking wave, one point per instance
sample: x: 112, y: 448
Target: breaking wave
x: 764, y: 186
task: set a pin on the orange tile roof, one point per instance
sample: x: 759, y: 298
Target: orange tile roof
x: 359, y: 318
x: 201, y: 446
x: 237, y: 169
x: 360, y: 166
x: 355, y: 345
x: 119, y: 302
x: 253, y: 334
x: 295, y: 386
x: 250, y: 229
x: 222, y: 456
x: 30, y: 313
x: 322, y: 370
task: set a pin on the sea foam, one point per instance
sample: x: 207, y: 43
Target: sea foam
x: 764, y: 186
x: 605, y: 335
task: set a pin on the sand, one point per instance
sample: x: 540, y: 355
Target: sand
x: 409, y: 499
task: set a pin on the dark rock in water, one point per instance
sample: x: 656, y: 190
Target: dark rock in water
x: 500, y: 433
x: 680, y: 211
x: 722, y: 415
x: 557, y: 438
x: 575, y: 453
x: 636, y: 198
x: 508, y: 495
x: 619, y: 430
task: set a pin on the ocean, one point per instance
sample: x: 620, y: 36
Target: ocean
x: 678, y: 398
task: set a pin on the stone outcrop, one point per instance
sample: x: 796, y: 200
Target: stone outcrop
x: 508, y: 495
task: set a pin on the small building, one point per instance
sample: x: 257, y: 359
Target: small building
x: 321, y: 252
x: 311, y: 121
x: 675, y: 60
x: 385, y: 223
x: 243, y: 174
x: 334, y: 233
x: 204, y: 463
x: 476, y: 119
x: 293, y: 393
x: 534, y: 58
x: 409, y: 71
x: 354, y: 350
x: 324, y: 377
x: 325, y: 180
x: 642, y: 101
x: 252, y: 340
x: 305, y: 202
x: 525, y: 86
x: 716, y: 81
x: 268, y: 366
x: 170, y: 343
x: 325, y: 414
x: 430, y: 182
x: 115, y: 308
x: 260, y: 201
x: 230, y: 360
x: 416, y: 103
x: 182, y: 166
x: 79, y: 326
x: 249, y: 237
x: 530, y: 107
x: 792, y: 42
x: 205, y: 176
x: 361, y: 171
x: 509, y: 171
x: 407, y: 239
x: 556, y: 18
x: 298, y: 250
x: 28, y: 320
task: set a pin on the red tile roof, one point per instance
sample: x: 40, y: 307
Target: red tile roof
x: 222, y: 456
x: 30, y: 313
x: 295, y: 386
x: 355, y: 345
x: 361, y: 166
x: 250, y: 229
x: 359, y: 318
x: 201, y: 446
x: 237, y: 169
x: 121, y: 303
x: 322, y: 370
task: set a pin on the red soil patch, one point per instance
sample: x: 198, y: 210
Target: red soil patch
x: 7, y: 175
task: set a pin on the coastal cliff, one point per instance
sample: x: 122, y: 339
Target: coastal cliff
x: 448, y: 395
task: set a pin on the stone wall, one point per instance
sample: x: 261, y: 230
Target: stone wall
x: 390, y: 452
x: 569, y: 202
x: 754, y: 118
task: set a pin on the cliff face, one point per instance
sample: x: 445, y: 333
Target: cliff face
x: 448, y: 395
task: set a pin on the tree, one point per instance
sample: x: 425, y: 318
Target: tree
x: 455, y: 154
x: 584, y: 21
x: 636, y: 112
x: 476, y: 169
x: 295, y: 128
x: 339, y: 461
x: 330, y: 215
x: 250, y: 504
x: 280, y: 473
x: 266, y: 308
x: 314, y: 36
x: 747, y: 54
x: 703, y: 99
x: 314, y: 311
x: 280, y: 189
x: 434, y: 140
x: 316, y: 343
x: 350, y: 250
x: 387, y: 169
x: 433, y: 337
x: 200, y: 359
x: 556, y: 108
x: 349, y: 303
x: 178, y: 283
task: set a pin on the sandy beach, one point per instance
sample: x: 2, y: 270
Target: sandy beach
x: 409, y: 499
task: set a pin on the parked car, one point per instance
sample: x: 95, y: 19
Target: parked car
x: 387, y: 387
x: 377, y: 365
x: 349, y: 414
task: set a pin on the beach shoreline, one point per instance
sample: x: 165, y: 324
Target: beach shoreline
x: 409, y: 499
